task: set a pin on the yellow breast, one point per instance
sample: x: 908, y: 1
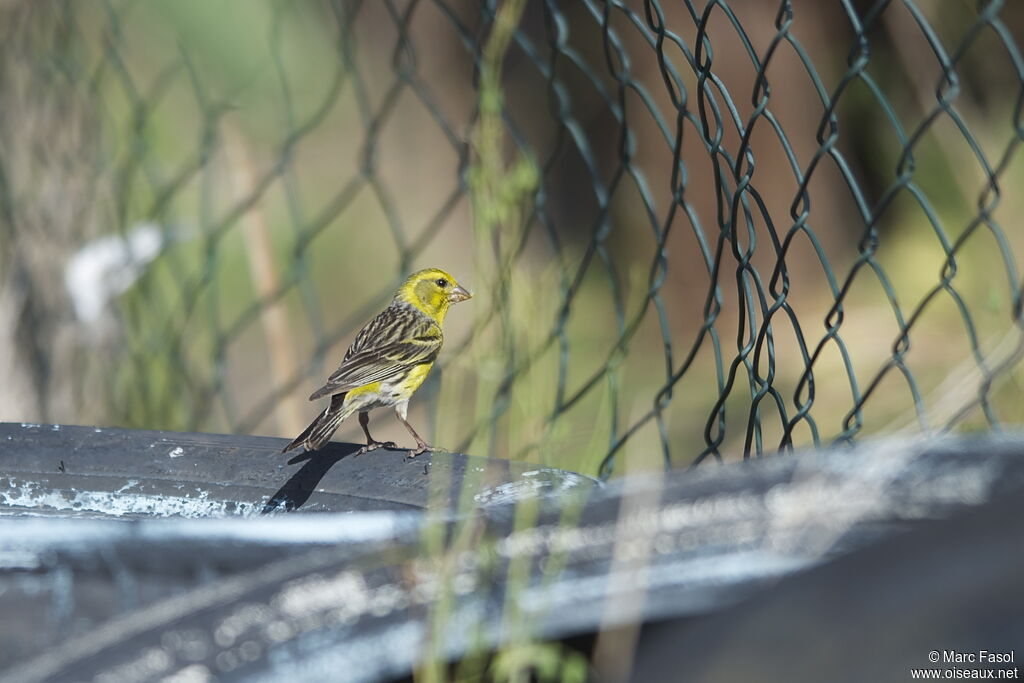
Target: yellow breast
x: 414, y: 379
x: 365, y: 390
x: 376, y: 394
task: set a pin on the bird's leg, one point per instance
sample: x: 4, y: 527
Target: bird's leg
x: 371, y: 443
x: 421, y: 445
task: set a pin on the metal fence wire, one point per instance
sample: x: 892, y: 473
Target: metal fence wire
x: 694, y: 229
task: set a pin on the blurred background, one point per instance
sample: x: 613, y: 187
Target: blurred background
x: 694, y: 230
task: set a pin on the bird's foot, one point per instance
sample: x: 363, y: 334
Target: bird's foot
x: 374, y: 445
x: 423, y: 448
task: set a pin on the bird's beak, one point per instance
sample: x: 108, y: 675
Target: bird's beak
x: 458, y: 294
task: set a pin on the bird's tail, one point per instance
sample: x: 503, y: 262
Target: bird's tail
x: 321, y: 429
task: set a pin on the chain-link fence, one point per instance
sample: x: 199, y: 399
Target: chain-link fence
x: 693, y: 229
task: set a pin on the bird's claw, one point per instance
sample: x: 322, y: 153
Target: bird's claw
x: 423, y: 448
x: 374, y: 445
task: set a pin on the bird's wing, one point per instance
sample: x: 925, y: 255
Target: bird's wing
x: 390, y: 344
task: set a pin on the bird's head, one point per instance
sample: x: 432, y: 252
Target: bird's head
x: 432, y: 291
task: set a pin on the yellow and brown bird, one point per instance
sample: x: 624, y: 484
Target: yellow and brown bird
x: 388, y: 361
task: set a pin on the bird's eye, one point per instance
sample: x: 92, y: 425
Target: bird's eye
x: 442, y: 283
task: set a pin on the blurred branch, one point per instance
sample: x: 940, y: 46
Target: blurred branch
x: 267, y: 281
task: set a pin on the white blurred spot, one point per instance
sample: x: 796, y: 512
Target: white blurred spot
x: 108, y: 266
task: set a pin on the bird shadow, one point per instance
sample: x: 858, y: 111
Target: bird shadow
x: 300, y: 486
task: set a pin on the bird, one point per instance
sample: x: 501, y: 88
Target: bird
x: 387, y: 362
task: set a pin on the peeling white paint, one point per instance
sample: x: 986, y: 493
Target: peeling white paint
x: 31, y: 496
